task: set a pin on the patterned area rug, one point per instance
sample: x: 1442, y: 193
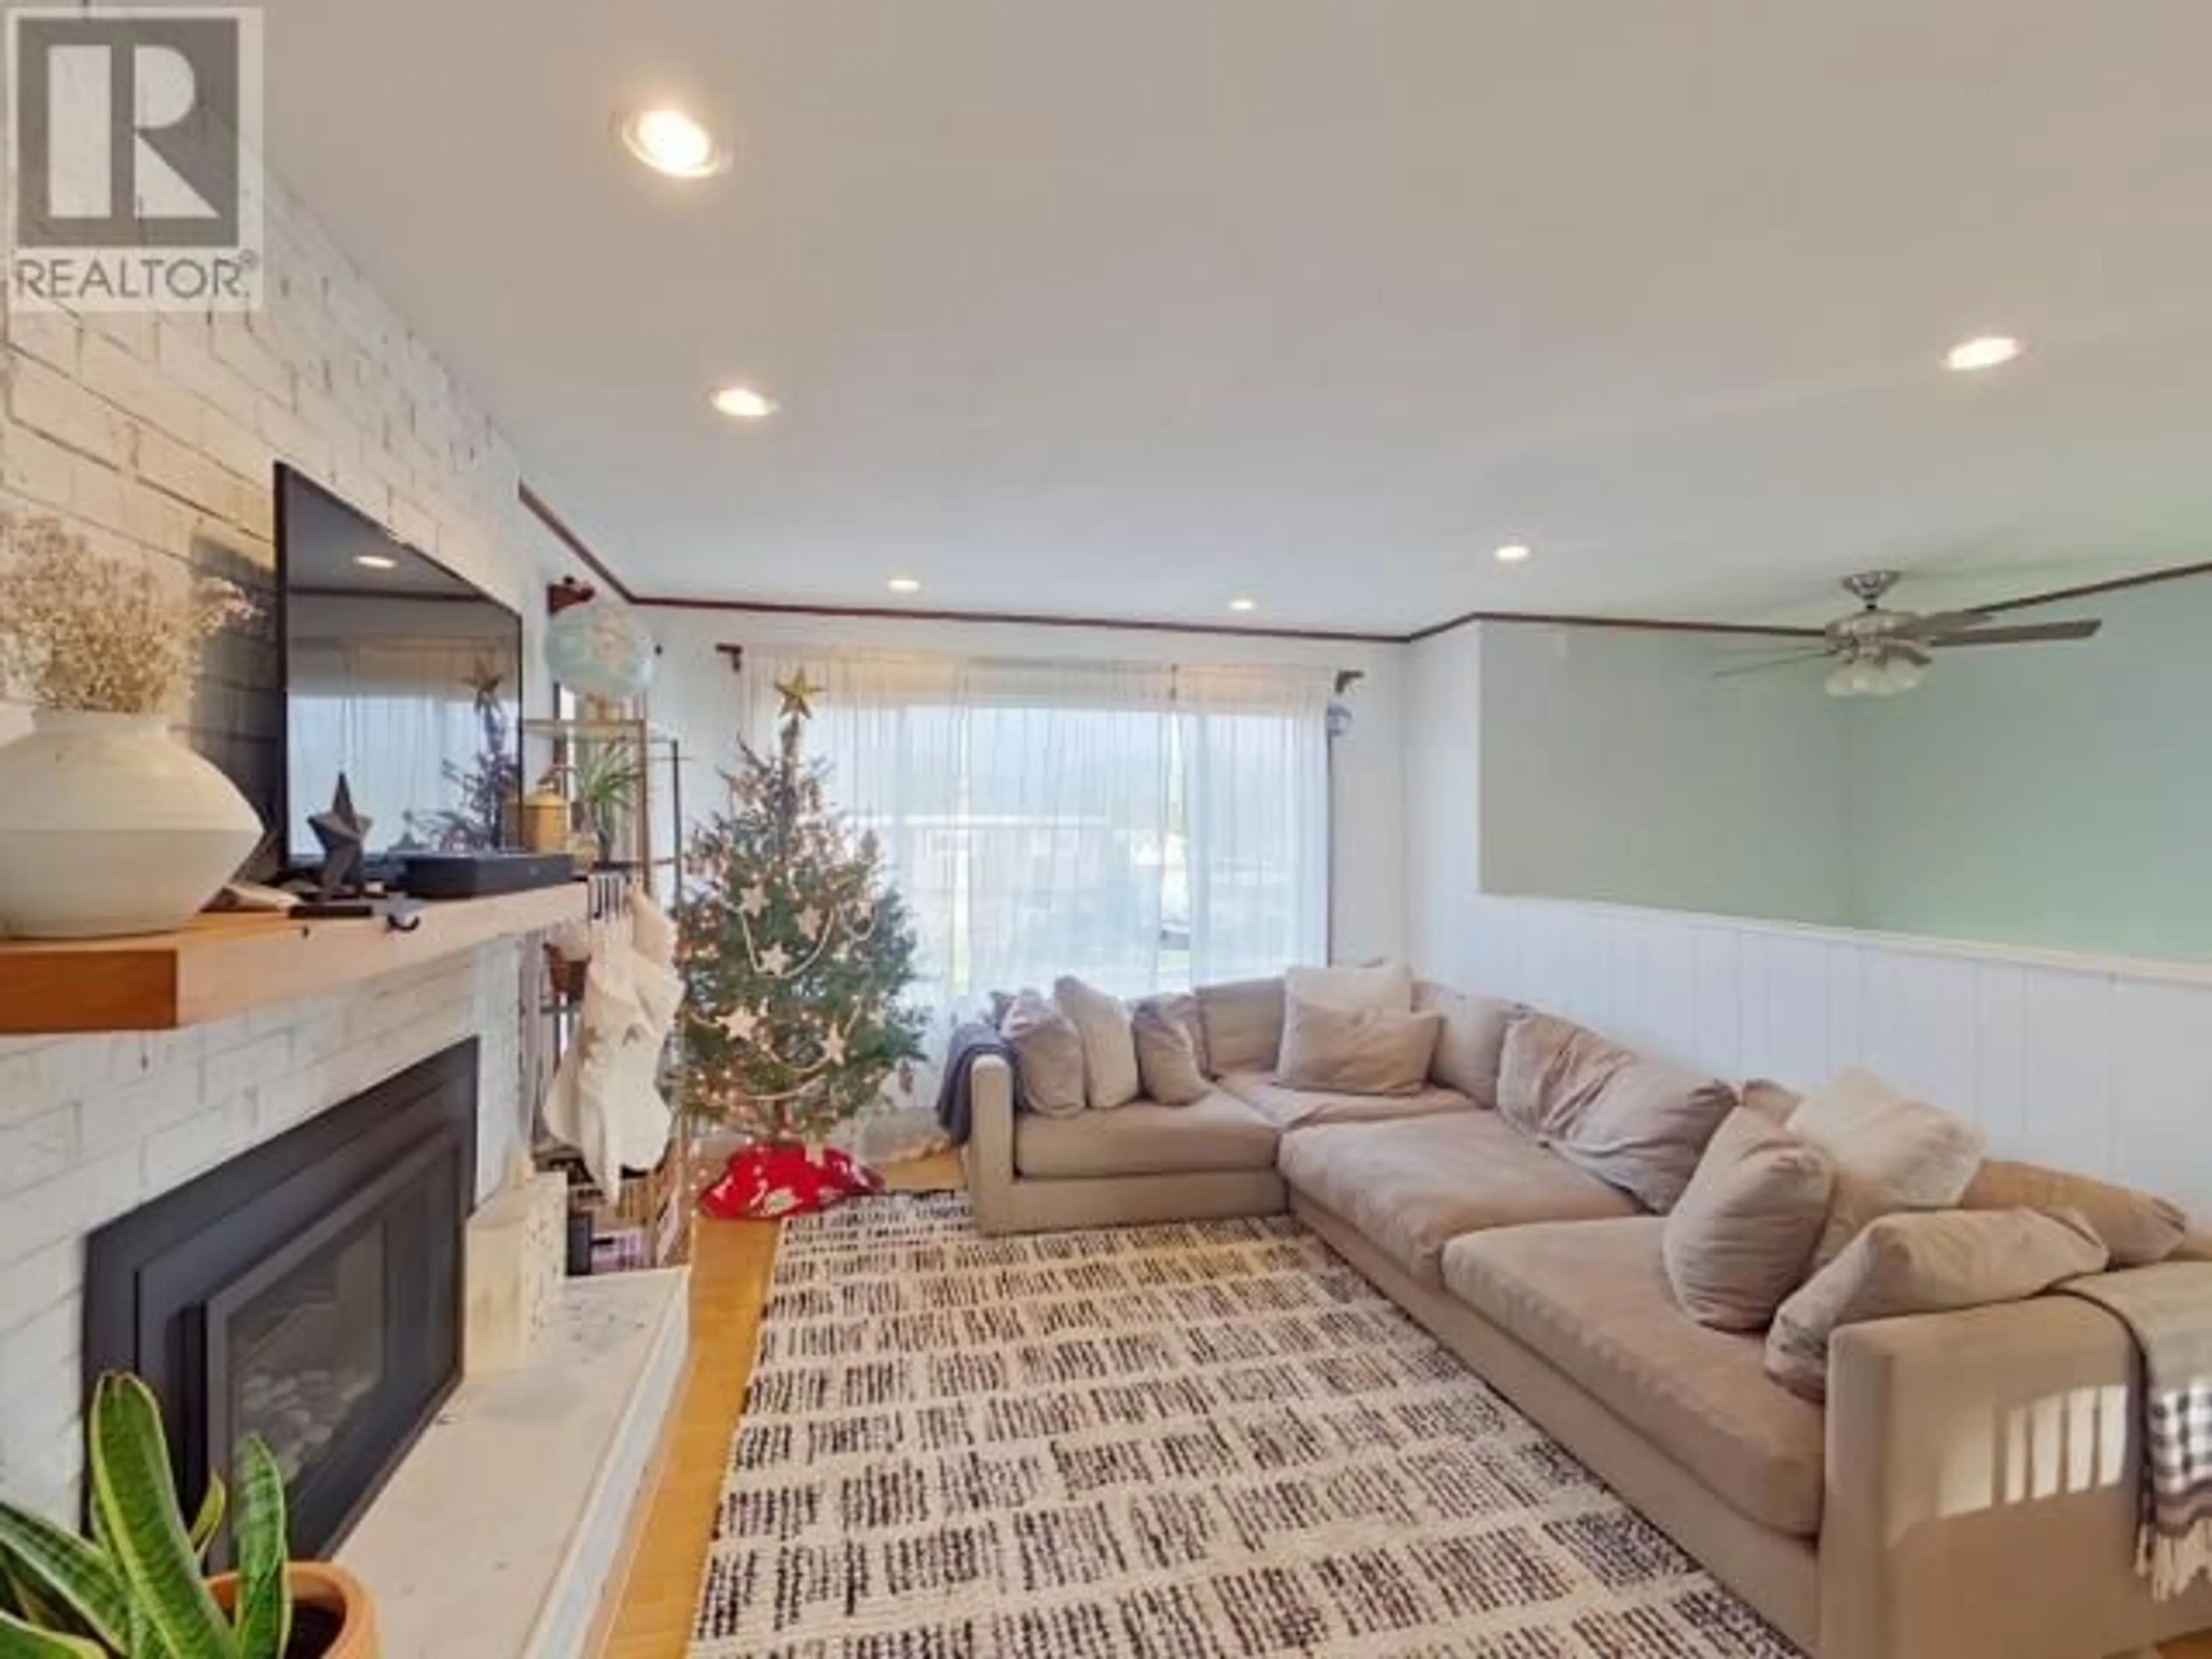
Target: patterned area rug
x: 1156, y: 1443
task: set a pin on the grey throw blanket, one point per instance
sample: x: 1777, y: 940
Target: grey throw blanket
x: 2169, y: 1308
x: 969, y: 1044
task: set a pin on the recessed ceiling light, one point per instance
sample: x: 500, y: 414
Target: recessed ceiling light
x: 669, y: 141
x: 1243, y: 603
x: 904, y: 585
x: 376, y: 561
x: 1983, y: 351
x: 1511, y: 553
x: 742, y: 403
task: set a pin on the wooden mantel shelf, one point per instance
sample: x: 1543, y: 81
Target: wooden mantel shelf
x: 227, y: 964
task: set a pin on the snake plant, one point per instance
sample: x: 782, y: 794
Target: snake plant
x: 135, y: 1588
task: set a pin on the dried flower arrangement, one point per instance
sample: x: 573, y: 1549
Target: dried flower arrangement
x: 97, y: 632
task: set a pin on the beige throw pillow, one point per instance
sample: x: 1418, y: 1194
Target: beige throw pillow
x: 1637, y: 1124
x: 1165, y: 1029
x: 1109, y: 1047
x: 1737, y: 1244
x: 1924, y: 1262
x: 1388, y: 985
x: 1047, y: 1053
x: 1890, y: 1152
x: 2137, y: 1229
x: 1355, y: 1051
x: 1243, y: 1023
x: 1772, y: 1101
x: 1472, y: 1041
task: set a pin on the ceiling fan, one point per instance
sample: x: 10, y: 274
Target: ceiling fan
x: 1879, y: 653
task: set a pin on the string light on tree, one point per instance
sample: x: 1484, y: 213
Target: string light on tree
x: 794, y: 957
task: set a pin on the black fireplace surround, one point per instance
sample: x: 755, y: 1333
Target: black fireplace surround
x: 308, y: 1292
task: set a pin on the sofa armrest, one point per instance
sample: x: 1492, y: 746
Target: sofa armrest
x: 1974, y: 1456
x: 988, y: 1156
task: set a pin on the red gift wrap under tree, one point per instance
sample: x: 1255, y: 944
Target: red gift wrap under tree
x: 794, y: 955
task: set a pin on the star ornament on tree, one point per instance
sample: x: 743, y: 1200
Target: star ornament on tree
x: 798, y: 694
x: 776, y: 962
x: 752, y: 902
x: 739, y: 1024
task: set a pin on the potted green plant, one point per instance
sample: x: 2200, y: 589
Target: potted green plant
x: 603, y: 778
x: 135, y: 1587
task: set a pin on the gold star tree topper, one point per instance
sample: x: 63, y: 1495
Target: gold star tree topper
x: 798, y: 694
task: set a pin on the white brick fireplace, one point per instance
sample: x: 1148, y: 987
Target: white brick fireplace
x: 155, y: 436
x: 92, y: 1127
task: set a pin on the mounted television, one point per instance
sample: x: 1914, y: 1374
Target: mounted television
x: 397, y: 674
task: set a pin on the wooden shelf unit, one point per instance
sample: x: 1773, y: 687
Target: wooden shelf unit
x: 227, y: 964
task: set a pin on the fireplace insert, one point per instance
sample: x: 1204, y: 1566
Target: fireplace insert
x: 308, y: 1292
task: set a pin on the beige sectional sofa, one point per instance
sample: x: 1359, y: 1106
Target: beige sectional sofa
x: 1969, y: 1491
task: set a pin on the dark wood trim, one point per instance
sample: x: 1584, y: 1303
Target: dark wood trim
x: 2117, y: 584
x: 1025, y: 619
x: 535, y: 504
x: 1652, y: 624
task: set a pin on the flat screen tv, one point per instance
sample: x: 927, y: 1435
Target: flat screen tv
x: 397, y: 674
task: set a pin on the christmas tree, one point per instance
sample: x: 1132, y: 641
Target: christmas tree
x: 793, y: 953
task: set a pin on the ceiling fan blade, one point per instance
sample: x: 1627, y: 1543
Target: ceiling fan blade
x: 2030, y: 634
x: 1770, y: 662
x: 1946, y: 622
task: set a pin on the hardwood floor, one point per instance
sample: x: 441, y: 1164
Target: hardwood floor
x: 731, y: 1261
x: 730, y: 1266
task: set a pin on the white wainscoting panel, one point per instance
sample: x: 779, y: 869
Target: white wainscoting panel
x: 2104, y: 1068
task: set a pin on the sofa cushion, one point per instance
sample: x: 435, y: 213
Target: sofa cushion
x: 1047, y: 1053
x: 1925, y: 1261
x: 1293, y: 1108
x: 1143, y: 1138
x: 1355, y: 1051
x: 1388, y: 985
x: 1737, y: 1243
x: 1472, y: 1041
x: 1638, y: 1123
x: 1109, y: 1049
x: 1891, y: 1152
x: 2138, y: 1229
x: 1591, y: 1297
x: 1168, y: 1045
x: 1243, y: 1019
x: 1412, y: 1185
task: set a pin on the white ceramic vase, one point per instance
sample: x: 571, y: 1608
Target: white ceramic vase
x: 108, y: 825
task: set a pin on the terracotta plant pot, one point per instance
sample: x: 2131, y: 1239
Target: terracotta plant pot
x: 322, y: 1594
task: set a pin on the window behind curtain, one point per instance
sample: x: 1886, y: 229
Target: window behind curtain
x: 1141, y: 827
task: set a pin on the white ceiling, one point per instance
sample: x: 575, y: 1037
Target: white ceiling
x: 1128, y: 308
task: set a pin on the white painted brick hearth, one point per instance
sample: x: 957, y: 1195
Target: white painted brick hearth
x: 155, y: 437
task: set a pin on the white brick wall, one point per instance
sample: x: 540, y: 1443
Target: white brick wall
x: 155, y: 435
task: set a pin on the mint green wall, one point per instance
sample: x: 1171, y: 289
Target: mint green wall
x: 1615, y: 767
x: 2058, y: 797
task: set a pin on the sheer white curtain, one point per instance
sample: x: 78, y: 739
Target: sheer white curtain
x: 1023, y: 808
x: 388, y: 715
x: 1254, y: 745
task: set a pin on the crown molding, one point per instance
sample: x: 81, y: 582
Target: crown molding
x: 536, y: 504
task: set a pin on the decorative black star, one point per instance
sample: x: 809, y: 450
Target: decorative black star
x: 343, y: 833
